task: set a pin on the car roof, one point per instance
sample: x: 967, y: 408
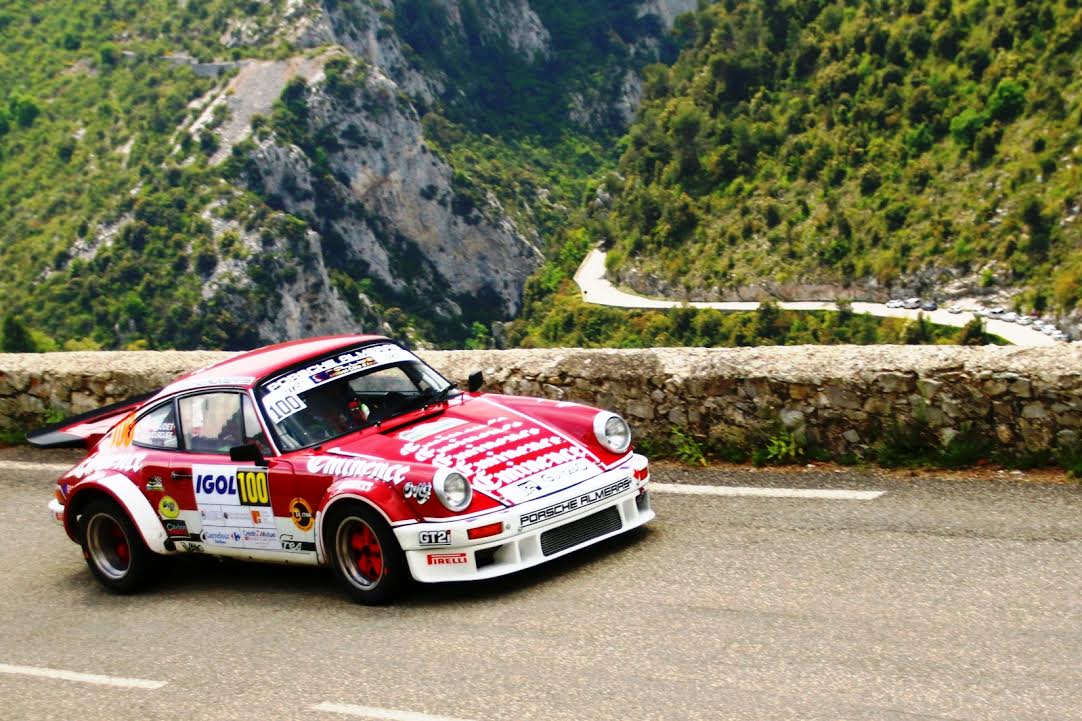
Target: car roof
x: 249, y: 367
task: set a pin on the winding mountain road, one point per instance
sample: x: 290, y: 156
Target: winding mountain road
x: 757, y: 595
x: 597, y: 289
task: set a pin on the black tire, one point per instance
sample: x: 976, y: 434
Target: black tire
x: 113, y: 548
x: 364, y: 554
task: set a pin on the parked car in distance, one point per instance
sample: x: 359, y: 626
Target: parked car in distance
x: 955, y: 309
x: 1025, y: 320
x: 894, y: 303
x: 1010, y: 317
x: 997, y: 312
x: 911, y: 304
x: 929, y: 305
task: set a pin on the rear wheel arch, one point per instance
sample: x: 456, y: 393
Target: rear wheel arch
x: 123, y: 492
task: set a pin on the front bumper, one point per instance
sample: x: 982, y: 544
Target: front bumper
x: 56, y: 510
x: 533, y: 532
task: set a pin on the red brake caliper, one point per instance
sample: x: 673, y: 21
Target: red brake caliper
x: 369, y: 558
x: 120, y: 544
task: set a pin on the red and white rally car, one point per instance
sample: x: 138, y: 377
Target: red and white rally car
x: 346, y: 451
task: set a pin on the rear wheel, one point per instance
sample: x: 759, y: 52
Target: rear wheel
x: 113, y: 548
x: 364, y: 553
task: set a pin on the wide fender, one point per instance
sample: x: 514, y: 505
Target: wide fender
x: 126, y: 494
x: 383, y: 497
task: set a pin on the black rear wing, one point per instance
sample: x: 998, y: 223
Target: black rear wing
x: 85, y: 429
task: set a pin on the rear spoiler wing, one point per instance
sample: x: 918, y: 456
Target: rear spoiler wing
x: 85, y: 429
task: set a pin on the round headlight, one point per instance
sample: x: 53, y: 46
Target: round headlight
x: 612, y: 432
x: 453, y: 489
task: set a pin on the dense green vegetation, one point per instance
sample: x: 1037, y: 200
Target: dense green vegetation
x: 89, y: 114
x: 799, y: 140
x: 501, y: 90
x: 111, y: 219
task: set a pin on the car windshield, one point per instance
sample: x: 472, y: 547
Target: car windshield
x: 346, y: 391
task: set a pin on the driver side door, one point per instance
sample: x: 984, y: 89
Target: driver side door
x: 240, y: 506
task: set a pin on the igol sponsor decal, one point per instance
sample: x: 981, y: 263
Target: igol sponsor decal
x: 572, y: 504
x: 301, y: 513
x: 168, y: 507
x: 446, y: 559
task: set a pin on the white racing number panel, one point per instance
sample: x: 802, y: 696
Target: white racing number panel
x: 235, y: 507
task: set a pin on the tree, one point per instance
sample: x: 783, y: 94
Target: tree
x: 972, y: 333
x: 14, y: 337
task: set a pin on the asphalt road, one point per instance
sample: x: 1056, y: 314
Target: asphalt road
x: 941, y: 599
x: 598, y: 289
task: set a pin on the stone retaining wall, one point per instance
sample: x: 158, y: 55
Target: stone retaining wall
x: 839, y: 397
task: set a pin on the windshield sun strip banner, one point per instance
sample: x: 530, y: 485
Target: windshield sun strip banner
x: 281, y: 397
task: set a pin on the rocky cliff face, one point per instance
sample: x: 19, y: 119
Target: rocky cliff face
x: 385, y: 204
x: 364, y: 215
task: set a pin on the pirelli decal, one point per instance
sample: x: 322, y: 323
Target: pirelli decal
x: 574, y: 504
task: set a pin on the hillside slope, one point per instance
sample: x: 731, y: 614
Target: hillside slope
x: 805, y: 149
x: 228, y: 172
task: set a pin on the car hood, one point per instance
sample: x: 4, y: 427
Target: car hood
x: 506, y: 454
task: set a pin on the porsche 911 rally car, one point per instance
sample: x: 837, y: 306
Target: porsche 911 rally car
x: 344, y: 451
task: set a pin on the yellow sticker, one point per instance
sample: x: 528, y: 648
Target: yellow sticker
x: 168, y: 507
x: 301, y: 513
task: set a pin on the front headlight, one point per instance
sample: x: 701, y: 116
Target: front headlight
x: 612, y: 432
x: 453, y: 489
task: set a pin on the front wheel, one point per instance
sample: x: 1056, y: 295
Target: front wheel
x: 113, y: 548
x: 365, y: 555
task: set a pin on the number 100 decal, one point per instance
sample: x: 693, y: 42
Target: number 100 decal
x: 284, y: 407
x: 252, y: 488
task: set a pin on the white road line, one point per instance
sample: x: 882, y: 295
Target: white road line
x: 81, y: 677
x: 31, y: 466
x: 825, y: 493
x: 384, y: 714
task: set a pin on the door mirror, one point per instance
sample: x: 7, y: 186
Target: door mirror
x: 475, y: 381
x: 248, y: 453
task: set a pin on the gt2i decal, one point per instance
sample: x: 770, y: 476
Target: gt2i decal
x: 301, y: 513
x: 234, y: 504
x: 434, y: 538
x: 573, y: 504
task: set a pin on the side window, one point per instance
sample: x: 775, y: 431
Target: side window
x: 253, y: 432
x: 157, y: 429
x: 211, y: 422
